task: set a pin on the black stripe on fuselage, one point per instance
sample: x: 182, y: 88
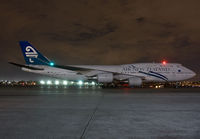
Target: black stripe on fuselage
x: 159, y: 74
x: 150, y: 74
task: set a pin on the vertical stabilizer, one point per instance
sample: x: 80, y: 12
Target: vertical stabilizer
x: 31, y: 55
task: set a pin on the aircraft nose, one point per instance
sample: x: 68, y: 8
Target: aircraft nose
x: 193, y: 74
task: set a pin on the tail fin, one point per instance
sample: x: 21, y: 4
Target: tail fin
x: 31, y: 55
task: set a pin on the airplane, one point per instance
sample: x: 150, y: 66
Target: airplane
x: 133, y: 74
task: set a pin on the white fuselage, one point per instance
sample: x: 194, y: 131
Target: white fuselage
x: 149, y: 72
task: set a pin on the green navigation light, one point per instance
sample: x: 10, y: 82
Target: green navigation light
x: 51, y: 64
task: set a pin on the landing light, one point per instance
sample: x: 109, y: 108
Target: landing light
x: 80, y: 82
x: 65, y: 82
x: 93, y: 83
x: 49, y: 82
x: 42, y: 82
x: 56, y: 82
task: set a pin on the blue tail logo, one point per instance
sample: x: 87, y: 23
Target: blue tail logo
x: 31, y: 55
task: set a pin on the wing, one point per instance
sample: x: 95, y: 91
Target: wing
x: 92, y: 71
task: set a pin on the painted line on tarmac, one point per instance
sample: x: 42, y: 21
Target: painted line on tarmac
x: 91, y: 118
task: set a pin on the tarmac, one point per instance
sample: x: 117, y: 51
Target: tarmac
x: 95, y: 113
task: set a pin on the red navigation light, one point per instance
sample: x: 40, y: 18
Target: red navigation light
x: 164, y: 62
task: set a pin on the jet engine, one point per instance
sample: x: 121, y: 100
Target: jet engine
x: 135, y: 81
x: 105, y: 77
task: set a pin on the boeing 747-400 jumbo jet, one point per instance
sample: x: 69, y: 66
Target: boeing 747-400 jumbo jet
x: 134, y: 74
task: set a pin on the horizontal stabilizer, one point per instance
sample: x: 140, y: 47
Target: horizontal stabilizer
x: 25, y: 66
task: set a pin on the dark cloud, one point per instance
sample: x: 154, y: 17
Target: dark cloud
x: 81, y: 33
x: 165, y: 34
x: 101, y: 31
x: 140, y: 19
x: 183, y: 41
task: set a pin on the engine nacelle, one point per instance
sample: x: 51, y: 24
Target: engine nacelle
x: 105, y: 78
x: 135, y: 81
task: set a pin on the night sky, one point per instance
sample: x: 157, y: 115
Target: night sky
x: 100, y: 32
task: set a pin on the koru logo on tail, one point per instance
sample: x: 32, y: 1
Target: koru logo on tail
x: 31, y: 53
